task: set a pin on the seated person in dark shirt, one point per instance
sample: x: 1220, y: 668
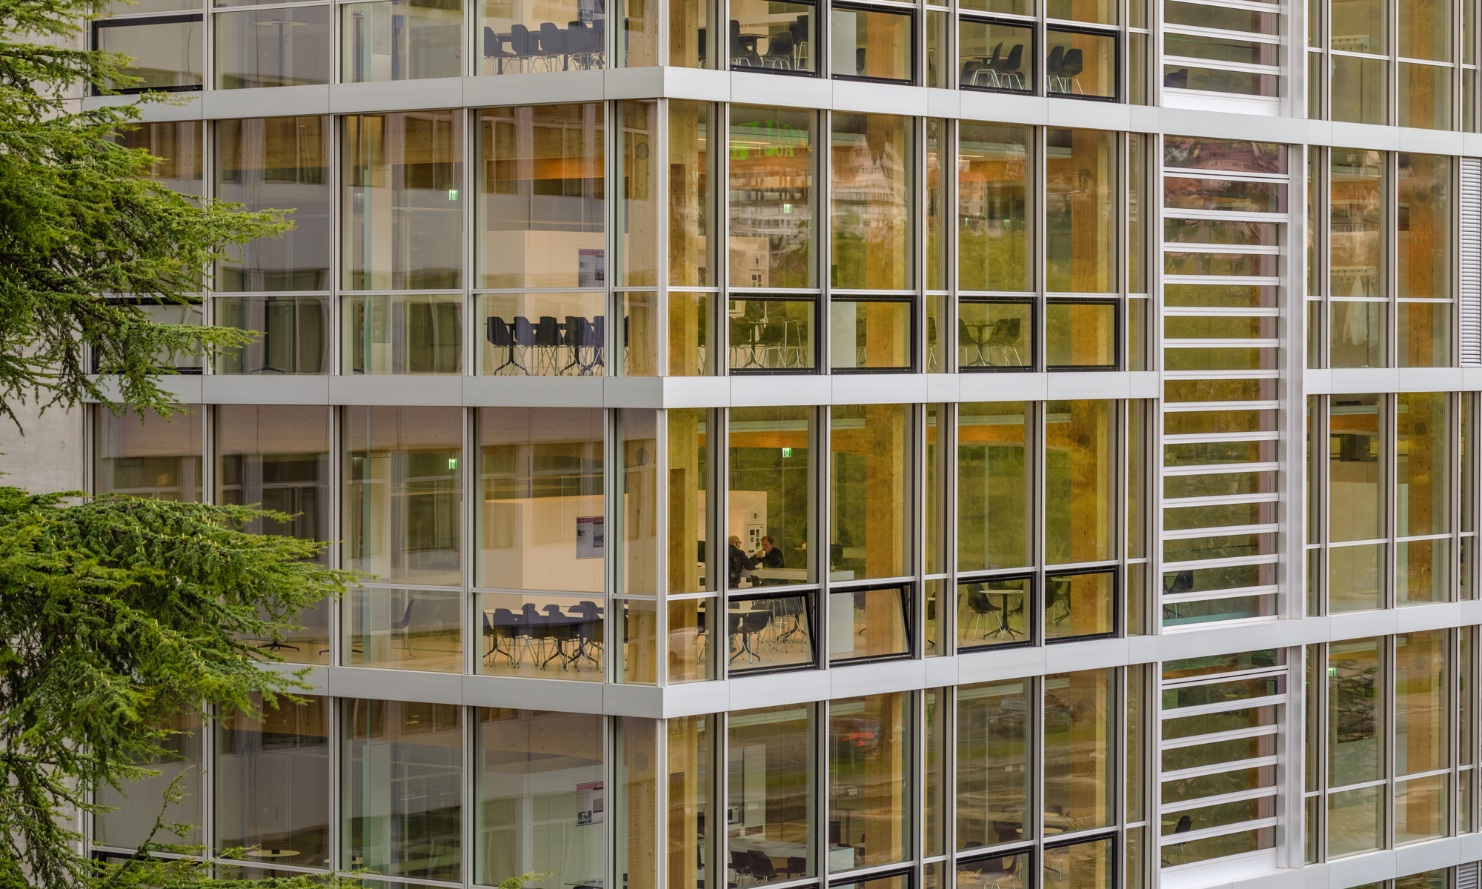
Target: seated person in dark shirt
x: 769, y: 557
x: 737, y: 562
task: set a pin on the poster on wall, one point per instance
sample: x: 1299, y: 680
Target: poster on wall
x: 590, y: 537
x: 589, y: 803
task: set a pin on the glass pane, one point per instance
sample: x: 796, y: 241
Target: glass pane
x: 772, y: 35
x: 273, y: 163
x: 993, y: 611
x: 544, y: 334
x: 292, y: 334
x: 690, y: 43
x: 1088, y: 865
x: 1423, y: 256
x: 691, y: 658
x: 1081, y: 335
x: 403, y: 334
x: 996, y: 56
x: 1423, y: 463
x: 1080, y: 474
x: 526, y: 35
x: 692, y: 766
x: 146, y: 455
x: 1356, y: 578
x: 994, y: 486
x: 638, y: 532
x: 1079, y: 777
x: 691, y: 193
x: 532, y: 633
x: 639, y: 39
x: 1356, y: 727
x: 869, y: 491
x: 992, y: 226
x: 403, y: 629
x: 769, y: 633
x: 1356, y: 458
x: 868, y: 624
x: 935, y: 495
x: 403, y: 221
x: 872, y: 164
x: 996, y: 334
x: 540, y: 521
x: 1422, y: 680
x: 1358, y: 334
x: 937, y: 63
x: 402, y: 788
x: 397, y: 40
x: 638, y: 203
x: 936, y: 204
x: 541, y: 192
x: 769, y: 496
x: 164, y: 54
x: 935, y: 757
x: 870, y: 334
x: 690, y: 508
x: 1424, y: 334
x: 1080, y: 186
x: 691, y: 320
x: 1358, y: 86
x: 869, y: 771
x: 1080, y: 605
x: 769, y: 779
x: 771, y: 231
x: 872, y: 44
x: 284, y: 812
x: 538, y: 783
x: 1425, y: 95
x: 993, y: 764
x: 1081, y: 65
x: 272, y: 47
x: 180, y: 761
x: 1356, y: 820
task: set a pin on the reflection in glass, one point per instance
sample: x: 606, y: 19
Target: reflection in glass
x: 638, y: 210
x: 881, y: 41
x: 869, y: 770
x: 771, y: 231
x: 403, y: 493
x: 122, y: 826
x: 403, y: 629
x: 402, y: 786
x: 868, y: 624
x: 869, y: 491
x: 1079, y: 786
x: 146, y: 455
x: 541, y: 197
x: 871, y: 198
x: 1081, y: 335
x: 272, y: 780
x: 994, y: 480
x: 403, y: 334
x: 277, y: 163
x: 993, y: 764
x: 272, y: 47
x: 992, y: 229
x: 1356, y: 726
x: 1083, y: 865
x: 772, y: 334
x: 1359, y: 88
x: 538, y: 777
x: 1356, y: 458
x: 402, y: 217
x: 292, y: 334
x: 769, y: 782
x: 690, y: 505
x: 400, y: 40
x: 1355, y: 820
x: 164, y: 53
x: 540, y: 523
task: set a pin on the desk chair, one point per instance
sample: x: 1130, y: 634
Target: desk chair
x: 1070, y: 70
x: 552, y: 45
x: 1003, y: 335
x: 497, y: 331
x: 402, y: 628
x: 1184, y: 825
x: 1052, y: 68
x: 505, y: 625
x: 495, y: 51
x: 802, y: 50
x: 523, y: 44
x: 969, y: 338
x: 1012, y: 69
x: 548, y: 341
x: 779, y: 51
x: 1057, y: 593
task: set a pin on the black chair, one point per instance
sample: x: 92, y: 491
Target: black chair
x: 1052, y: 67
x: 802, y: 45
x: 761, y: 865
x: 402, y: 628
x: 494, y: 49
x: 742, y: 55
x: 1057, y: 594
x: 740, y: 863
x: 1003, y: 335
x: 505, y: 625
x: 859, y: 61
x: 1184, y: 825
x: 523, y: 44
x: 796, y: 866
x: 497, y: 331
x: 553, y: 45
x: 532, y: 629
x: 548, y: 340
x: 1011, y: 68
x: 597, y: 344
x: 1176, y: 80
x: 524, y: 335
x: 582, y: 44
x: 968, y: 338
x: 1070, y: 70
x: 779, y: 51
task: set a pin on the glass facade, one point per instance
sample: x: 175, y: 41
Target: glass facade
x: 945, y: 476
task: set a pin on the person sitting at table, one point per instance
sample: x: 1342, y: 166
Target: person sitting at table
x: 769, y: 556
x: 737, y: 562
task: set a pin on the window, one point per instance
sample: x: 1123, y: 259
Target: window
x: 167, y: 51
x: 522, y: 36
x: 397, y: 40
x: 273, y: 47
x: 882, y: 40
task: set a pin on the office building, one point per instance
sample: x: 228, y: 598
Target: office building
x: 1089, y: 387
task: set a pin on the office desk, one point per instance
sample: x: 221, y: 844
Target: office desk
x: 795, y: 575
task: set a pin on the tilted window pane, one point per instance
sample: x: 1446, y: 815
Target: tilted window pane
x: 1356, y: 724
x: 166, y: 53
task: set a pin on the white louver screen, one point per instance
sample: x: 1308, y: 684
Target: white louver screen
x: 1471, y: 262
x: 1466, y: 876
